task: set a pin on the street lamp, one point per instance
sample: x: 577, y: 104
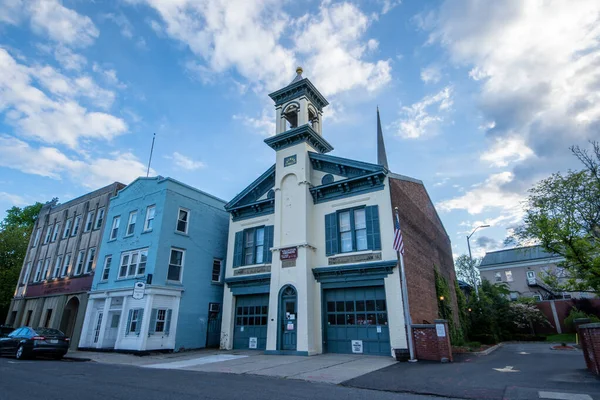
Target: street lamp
x: 473, y: 278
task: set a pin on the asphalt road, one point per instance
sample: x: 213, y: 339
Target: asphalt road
x: 53, y: 380
x: 514, y: 371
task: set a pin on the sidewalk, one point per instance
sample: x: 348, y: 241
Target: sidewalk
x: 132, y: 359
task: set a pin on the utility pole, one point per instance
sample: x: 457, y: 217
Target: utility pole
x: 473, y: 274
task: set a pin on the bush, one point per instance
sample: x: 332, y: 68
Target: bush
x: 525, y: 337
x: 484, y: 338
x: 575, y: 314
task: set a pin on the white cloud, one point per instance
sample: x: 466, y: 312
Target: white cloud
x: 424, y: 117
x: 431, y: 74
x: 68, y: 59
x: 507, y: 150
x: 186, y: 163
x: 13, y: 199
x: 109, y: 75
x: 51, y: 112
x: 388, y: 5
x: 52, y: 20
x: 122, y: 22
x: 264, y: 125
x: 52, y: 163
x: 489, y: 196
x: 240, y: 35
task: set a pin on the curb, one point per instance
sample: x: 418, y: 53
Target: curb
x: 487, y: 351
x: 76, y: 359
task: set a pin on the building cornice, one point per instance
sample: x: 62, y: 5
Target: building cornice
x: 303, y: 133
x: 303, y: 87
x: 348, y: 187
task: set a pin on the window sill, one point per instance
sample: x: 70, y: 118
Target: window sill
x: 111, y: 240
x: 182, y: 233
x: 353, y: 253
x: 217, y: 283
x: 147, y: 231
x: 252, y: 265
x: 129, y: 278
x: 127, y: 236
x: 174, y: 283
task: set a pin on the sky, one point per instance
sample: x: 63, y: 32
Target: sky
x: 478, y: 99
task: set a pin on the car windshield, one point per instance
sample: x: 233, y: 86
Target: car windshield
x: 48, y: 332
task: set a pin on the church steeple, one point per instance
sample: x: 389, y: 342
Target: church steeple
x: 381, y: 154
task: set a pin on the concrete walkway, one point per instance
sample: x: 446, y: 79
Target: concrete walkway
x: 326, y: 368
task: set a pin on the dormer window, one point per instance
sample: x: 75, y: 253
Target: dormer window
x: 290, y: 114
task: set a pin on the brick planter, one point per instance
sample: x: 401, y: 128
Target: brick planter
x: 589, y: 335
x: 429, y: 342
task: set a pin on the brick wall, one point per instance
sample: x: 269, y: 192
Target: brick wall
x: 563, y: 308
x: 426, y: 245
x: 590, y: 344
x: 430, y: 346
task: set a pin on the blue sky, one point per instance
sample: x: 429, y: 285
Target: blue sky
x: 478, y: 99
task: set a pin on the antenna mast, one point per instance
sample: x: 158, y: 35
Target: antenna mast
x: 150, y: 160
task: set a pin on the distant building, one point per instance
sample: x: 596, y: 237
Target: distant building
x: 60, y: 263
x: 311, y: 266
x: 159, y: 283
x: 523, y: 268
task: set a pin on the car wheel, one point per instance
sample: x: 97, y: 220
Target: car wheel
x: 20, y: 354
x: 58, y: 357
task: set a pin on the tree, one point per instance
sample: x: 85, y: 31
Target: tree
x: 525, y: 315
x: 15, y: 231
x: 563, y: 216
x: 466, y: 269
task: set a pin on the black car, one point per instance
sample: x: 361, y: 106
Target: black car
x: 5, y: 330
x: 28, y: 342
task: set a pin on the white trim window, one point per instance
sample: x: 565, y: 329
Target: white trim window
x: 89, y: 264
x: 38, y: 271
x: 161, y: 318
x: 183, y: 217
x: 67, y: 228
x: 216, y: 270
x: 176, y: 261
x: 131, y: 223
x: 135, y: 321
x: 55, y: 232
x: 66, y: 263
x: 48, y: 234
x: 36, y: 239
x: 46, y: 268
x: 89, y: 221
x: 133, y: 263
x: 509, y: 277
x: 79, y: 263
x: 99, y: 218
x: 27, y: 272
x: 115, y: 227
x: 106, y: 269
x: 57, y: 265
x: 76, y: 225
x: 498, y: 277
x: 150, y: 214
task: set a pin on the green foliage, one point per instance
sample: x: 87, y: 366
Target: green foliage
x: 563, y: 215
x: 466, y: 269
x: 463, y: 313
x: 442, y: 290
x: 525, y: 315
x: 15, y: 231
x: 489, y: 319
x: 576, y: 314
x: 561, y: 338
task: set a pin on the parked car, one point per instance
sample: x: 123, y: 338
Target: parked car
x: 28, y: 342
x: 5, y: 330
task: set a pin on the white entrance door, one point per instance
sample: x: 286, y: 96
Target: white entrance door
x: 112, y: 327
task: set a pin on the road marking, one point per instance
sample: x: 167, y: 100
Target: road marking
x: 194, y: 361
x: 508, y: 368
x: 522, y: 352
x: 564, y: 396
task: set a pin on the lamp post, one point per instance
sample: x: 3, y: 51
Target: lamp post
x: 473, y: 278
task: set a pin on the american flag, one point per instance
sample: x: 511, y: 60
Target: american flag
x: 398, y: 241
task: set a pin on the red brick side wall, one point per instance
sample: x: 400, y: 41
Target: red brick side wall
x: 428, y: 346
x: 426, y: 245
x: 590, y: 344
x: 563, y: 308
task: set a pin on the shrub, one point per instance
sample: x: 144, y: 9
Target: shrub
x: 576, y: 314
x: 484, y: 338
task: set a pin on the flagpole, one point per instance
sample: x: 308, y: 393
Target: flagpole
x: 405, y: 306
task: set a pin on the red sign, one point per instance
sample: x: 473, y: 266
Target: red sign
x: 62, y: 286
x: 289, y: 253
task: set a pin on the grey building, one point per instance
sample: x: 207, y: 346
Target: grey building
x: 523, y: 269
x: 59, y: 265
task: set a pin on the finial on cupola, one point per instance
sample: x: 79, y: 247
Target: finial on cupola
x: 299, y: 70
x: 298, y: 76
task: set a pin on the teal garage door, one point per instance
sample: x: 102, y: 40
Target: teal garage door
x: 251, y: 321
x: 356, y: 314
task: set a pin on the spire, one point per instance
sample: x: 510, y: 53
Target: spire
x: 298, y: 75
x: 381, y: 155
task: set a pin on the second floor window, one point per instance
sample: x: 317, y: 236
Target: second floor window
x: 149, y: 222
x: 182, y: 220
x: 133, y: 263
x: 48, y: 234
x: 216, y: 270
x: 36, y: 239
x: 356, y: 229
x: 66, y: 264
x: 253, y: 246
x: 99, y: 218
x: 76, y: 225
x: 106, y: 269
x: 509, y: 277
x: 89, y: 221
x: 498, y: 277
x: 89, y: 264
x: 38, y: 271
x: 46, y: 268
x: 55, y: 232
x: 27, y: 272
x: 115, y: 228
x: 131, y: 223
x: 67, y: 228
x: 175, y: 265
x: 57, y: 265
x: 79, y: 264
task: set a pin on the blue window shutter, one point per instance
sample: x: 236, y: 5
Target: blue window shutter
x: 138, y: 326
x: 128, y: 322
x: 267, y: 255
x: 153, y: 314
x: 373, y: 232
x: 168, y: 321
x: 238, y: 249
x: 331, y: 234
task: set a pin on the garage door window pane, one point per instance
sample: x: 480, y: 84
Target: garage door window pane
x: 250, y: 310
x: 370, y: 305
x: 339, y: 306
x: 361, y: 319
x: 245, y: 310
x: 371, y: 320
x: 350, y: 320
x: 330, y: 306
x: 349, y: 306
x: 360, y: 305
x: 331, y: 319
x: 239, y: 311
x: 380, y: 304
x: 340, y: 319
x: 382, y: 319
x: 263, y: 321
x: 239, y: 321
x: 251, y: 321
x: 245, y: 321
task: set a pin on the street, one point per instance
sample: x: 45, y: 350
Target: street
x: 54, y: 380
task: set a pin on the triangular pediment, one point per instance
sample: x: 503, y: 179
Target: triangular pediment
x: 256, y: 192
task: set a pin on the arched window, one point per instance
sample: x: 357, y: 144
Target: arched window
x: 313, y: 118
x: 290, y: 114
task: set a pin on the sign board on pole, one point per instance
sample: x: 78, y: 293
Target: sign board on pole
x: 357, y: 346
x: 253, y: 343
x: 440, y: 330
x: 139, y: 289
